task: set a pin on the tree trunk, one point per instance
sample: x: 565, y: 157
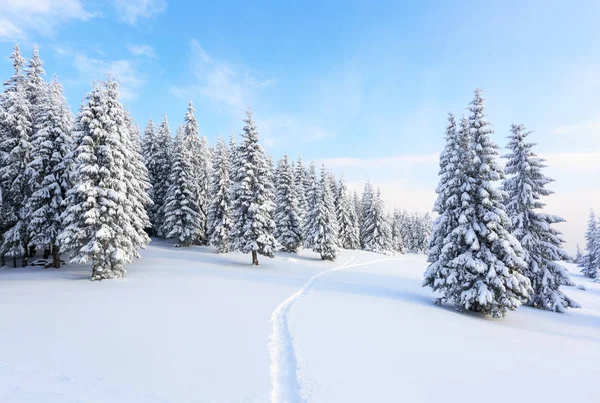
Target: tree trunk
x: 15, y: 261
x: 25, y: 261
x: 2, y: 260
x: 254, y: 258
x: 55, y: 257
x: 46, y: 252
x: 31, y: 251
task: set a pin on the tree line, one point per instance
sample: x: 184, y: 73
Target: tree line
x: 93, y: 188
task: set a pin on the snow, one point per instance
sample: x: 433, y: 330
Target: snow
x: 191, y: 325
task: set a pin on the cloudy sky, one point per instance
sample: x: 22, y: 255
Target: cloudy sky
x: 362, y: 86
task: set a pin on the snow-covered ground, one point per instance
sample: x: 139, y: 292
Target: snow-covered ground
x: 189, y: 325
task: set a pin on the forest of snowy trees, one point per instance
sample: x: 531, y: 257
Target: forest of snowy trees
x: 491, y: 248
x: 93, y: 188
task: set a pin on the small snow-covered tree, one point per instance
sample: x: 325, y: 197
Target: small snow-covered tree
x: 377, y: 232
x: 252, y: 207
x: 591, y: 260
x: 578, y: 255
x: 299, y: 186
x: 397, y: 238
x: 541, y: 242
x: 480, y: 266
x: 365, y: 205
x: 159, y: 167
x: 181, y: 209
x: 309, y: 221
x: 220, y: 221
x: 148, y: 151
x: 323, y: 233
x: 98, y: 222
x: 346, y: 218
x: 288, y: 224
x: 50, y: 165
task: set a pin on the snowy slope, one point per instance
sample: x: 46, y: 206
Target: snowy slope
x: 189, y: 325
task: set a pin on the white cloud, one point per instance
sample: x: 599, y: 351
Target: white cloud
x: 285, y: 129
x: 124, y: 71
x: 142, y: 50
x: 42, y: 16
x: 590, y: 128
x: 130, y: 11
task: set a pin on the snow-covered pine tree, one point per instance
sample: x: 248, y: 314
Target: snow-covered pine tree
x: 35, y: 87
x: 578, y: 255
x: 541, y: 242
x: 299, y: 186
x: 220, y: 221
x: 480, y: 267
x: 397, y: 239
x: 136, y: 173
x: 148, y: 152
x: 98, y: 222
x: 446, y: 189
x: 365, y: 205
x: 309, y: 220
x: 159, y: 167
x: 590, y: 261
x: 288, y: 224
x: 346, y: 218
x: 198, y: 153
x: 182, y: 215
x: 50, y: 147
x: 377, y: 232
x: 206, y: 159
x: 15, y: 149
x: 252, y: 209
x: 356, y: 203
x: 323, y: 232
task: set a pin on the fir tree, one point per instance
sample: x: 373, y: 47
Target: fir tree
x: 365, y: 206
x: 98, y: 221
x: 51, y: 145
x: 480, y: 266
x: 149, y: 145
x: 182, y: 215
x: 323, y: 233
x: 541, y: 242
x: 309, y: 221
x: 377, y: 232
x: 299, y: 186
x: 397, y: 238
x: 159, y: 166
x: 252, y: 208
x: 219, y: 213
x: 590, y: 261
x: 346, y: 218
x: 288, y: 224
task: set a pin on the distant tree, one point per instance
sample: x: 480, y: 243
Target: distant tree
x: 346, y: 218
x: 591, y: 260
x: 288, y: 224
x: 323, y: 233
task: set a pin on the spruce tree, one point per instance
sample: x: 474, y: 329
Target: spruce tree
x: 288, y: 224
x: 377, y: 232
x: 365, y: 206
x: 591, y: 260
x: 323, y: 233
x: 309, y: 221
x: 220, y: 221
x: 159, y: 167
x: 541, y: 243
x: 480, y: 267
x: 149, y: 145
x: 182, y: 215
x: 252, y: 208
x: 98, y: 222
x: 397, y: 238
x: 299, y: 186
x: 51, y: 145
x: 346, y: 218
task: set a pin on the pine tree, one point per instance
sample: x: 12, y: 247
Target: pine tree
x: 346, y: 218
x: 98, y: 222
x: 198, y: 153
x: 365, y: 205
x: 377, y: 232
x: 578, y: 255
x: 541, y: 242
x: 299, y: 186
x: 480, y: 266
x: 35, y: 87
x: 288, y: 224
x: 149, y: 150
x: 323, y: 233
x: 309, y: 221
x: 252, y: 208
x: 51, y: 145
x: 590, y: 261
x: 182, y: 214
x: 16, y: 155
x: 220, y: 222
x: 159, y: 166
x: 397, y: 238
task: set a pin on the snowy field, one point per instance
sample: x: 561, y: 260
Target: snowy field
x: 188, y: 325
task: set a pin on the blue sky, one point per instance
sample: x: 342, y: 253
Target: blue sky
x: 364, y: 86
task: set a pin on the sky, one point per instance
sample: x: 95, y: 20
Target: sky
x: 364, y: 87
